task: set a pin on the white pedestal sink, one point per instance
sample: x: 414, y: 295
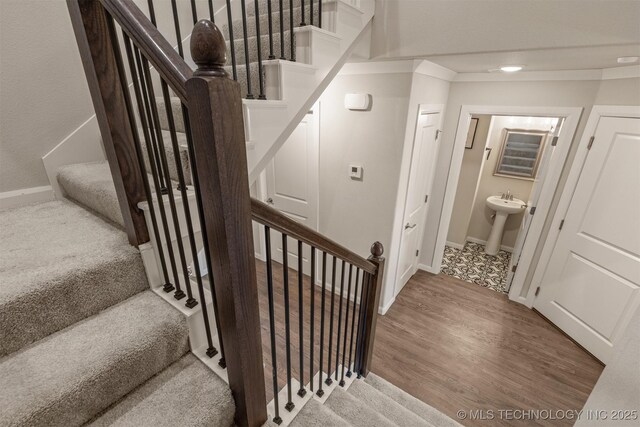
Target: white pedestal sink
x: 503, y: 208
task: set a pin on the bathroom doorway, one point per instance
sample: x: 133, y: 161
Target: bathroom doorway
x: 504, y: 165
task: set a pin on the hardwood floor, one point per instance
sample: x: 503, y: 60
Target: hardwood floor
x: 464, y: 347
x: 452, y: 344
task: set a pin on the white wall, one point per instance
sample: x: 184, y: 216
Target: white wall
x: 505, y: 93
x: 357, y: 213
x: 468, y: 182
x: 43, y: 91
x: 425, y: 90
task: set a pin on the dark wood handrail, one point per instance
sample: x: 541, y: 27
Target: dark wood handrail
x: 264, y: 214
x: 173, y: 69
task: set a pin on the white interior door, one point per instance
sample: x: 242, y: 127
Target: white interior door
x: 420, y: 181
x: 532, y: 202
x: 590, y: 287
x: 292, y: 185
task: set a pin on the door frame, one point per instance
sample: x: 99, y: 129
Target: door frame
x: 556, y: 166
x: 401, y: 205
x: 597, y: 112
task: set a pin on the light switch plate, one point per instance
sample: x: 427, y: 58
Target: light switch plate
x: 355, y: 172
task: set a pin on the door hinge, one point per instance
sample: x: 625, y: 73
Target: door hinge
x: 591, y: 142
x: 537, y: 291
x: 426, y: 197
x: 514, y: 268
x: 417, y: 252
x: 438, y: 132
x: 554, y: 141
x: 561, y: 225
x: 532, y: 210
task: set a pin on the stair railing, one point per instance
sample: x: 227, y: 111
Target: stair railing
x: 353, y: 289
x: 148, y: 166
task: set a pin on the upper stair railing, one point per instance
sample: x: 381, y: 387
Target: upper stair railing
x: 132, y: 72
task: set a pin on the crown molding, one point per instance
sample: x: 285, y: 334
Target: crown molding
x: 531, y: 76
x: 377, y: 67
x: 630, y: 72
x: 428, y: 68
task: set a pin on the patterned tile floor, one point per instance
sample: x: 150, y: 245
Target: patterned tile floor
x: 471, y: 264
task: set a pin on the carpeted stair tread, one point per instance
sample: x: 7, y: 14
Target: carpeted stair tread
x: 426, y: 412
x: 252, y: 44
x: 91, y: 185
x: 275, y: 6
x: 275, y: 21
x: 181, y: 139
x: 315, y: 414
x: 69, y: 377
x: 187, y: 393
x: 58, y: 265
x: 355, y: 411
x: 391, y: 409
x: 242, y: 78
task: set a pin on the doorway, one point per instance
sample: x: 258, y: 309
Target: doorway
x: 503, y: 167
x: 423, y: 157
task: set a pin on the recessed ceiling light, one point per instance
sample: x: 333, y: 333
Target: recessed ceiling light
x: 511, y: 68
x: 627, y: 59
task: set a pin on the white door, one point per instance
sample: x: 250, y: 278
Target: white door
x: 532, y: 202
x: 590, y: 288
x: 420, y: 181
x: 292, y: 185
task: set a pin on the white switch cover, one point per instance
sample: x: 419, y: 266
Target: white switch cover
x: 355, y: 171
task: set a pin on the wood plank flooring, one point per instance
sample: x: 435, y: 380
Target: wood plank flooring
x: 452, y: 344
x: 464, y: 347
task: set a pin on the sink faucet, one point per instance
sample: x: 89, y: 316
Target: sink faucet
x: 507, y: 196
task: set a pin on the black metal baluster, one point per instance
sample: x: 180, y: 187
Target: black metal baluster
x: 329, y: 381
x: 211, y: 350
x: 287, y: 323
x: 282, y: 31
x: 311, y: 12
x: 346, y: 325
x: 246, y: 49
x: 231, y: 43
x: 340, y: 317
x: 191, y: 302
x: 353, y: 318
x: 167, y: 287
x: 312, y: 315
x: 179, y: 294
x: 320, y: 392
x: 362, y: 313
x: 302, y: 24
x: 212, y: 14
x: 152, y: 13
x: 319, y: 13
x: 261, y: 95
x: 269, y: 11
x: 302, y: 391
x: 293, y: 45
x: 176, y: 24
x: 272, y: 325
x: 194, y: 12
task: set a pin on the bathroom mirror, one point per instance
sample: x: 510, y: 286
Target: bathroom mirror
x: 520, y: 153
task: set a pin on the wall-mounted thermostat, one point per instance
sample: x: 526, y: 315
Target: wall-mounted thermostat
x: 357, y: 101
x: 355, y: 172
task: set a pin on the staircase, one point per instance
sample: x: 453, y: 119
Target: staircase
x: 82, y: 335
x: 95, y: 331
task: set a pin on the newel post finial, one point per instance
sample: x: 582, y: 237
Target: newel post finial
x: 208, y: 49
x: 377, y: 249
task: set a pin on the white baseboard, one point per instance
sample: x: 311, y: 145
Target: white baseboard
x: 83, y: 145
x: 26, y: 196
x: 454, y: 245
x: 428, y: 269
x: 484, y: 242
x: 383, y: 310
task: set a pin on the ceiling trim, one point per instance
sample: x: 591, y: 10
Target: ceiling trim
x: 524, y: 76
x: 431, y: 69
x: 632, y: 71
x: 378, y: 67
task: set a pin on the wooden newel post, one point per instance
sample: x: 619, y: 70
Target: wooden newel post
x: 215, y: 114
x: 372, y: 303
x: 100, y: 58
